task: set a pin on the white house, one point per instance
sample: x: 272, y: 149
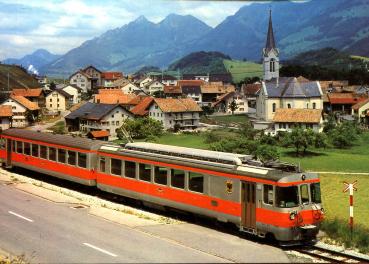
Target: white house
x: 154, y: 86
x: 5, y: 116
x: 224, y: 102
x: 130, y: 88
x: 22, y: 110
x: 81, y: 80
x: 183, y: 113
x: 143, y: 82
x: 58, y: 100
x: 74, y: 91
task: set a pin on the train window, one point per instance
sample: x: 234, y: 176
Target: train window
x: 62, y: 155
x: 178, y: 178
x: 161, y: 175
x: 82, y: 160
x: 145, y: 172
x: 14, y: 145
x: 304, y: 192
x: 315, y: 193
x: 19, y: 147
x: 130, y: 169
x: 71, y: 157
x: 43, y: 152
x: 287, y: 197
x: 102, y: 165
x: 52, y: 154
x: 196, y: 182
x: 268, y: 194
x: 116, y: 166
x: 34, y: 150
x: 27, y: 148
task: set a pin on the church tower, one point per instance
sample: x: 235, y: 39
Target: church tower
x: 270, y: 54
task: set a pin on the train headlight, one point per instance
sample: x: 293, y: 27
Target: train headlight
x: 303, y: 177
x: 292, y: 215
x: 322, y: 210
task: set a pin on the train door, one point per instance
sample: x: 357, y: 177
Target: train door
x: 9, y: 152
x: 248, y: 205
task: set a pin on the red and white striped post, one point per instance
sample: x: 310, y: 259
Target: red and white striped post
x: 351, y: 188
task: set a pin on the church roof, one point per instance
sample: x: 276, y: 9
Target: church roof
x: 270, y: 43
x: 291, y: 87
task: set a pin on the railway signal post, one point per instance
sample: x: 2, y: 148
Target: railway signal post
x: 351, y: 188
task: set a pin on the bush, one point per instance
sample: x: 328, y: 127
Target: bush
x: 266, y: 153
x: 142, y: 128
x: 344, y: 135
x: 211, y: 137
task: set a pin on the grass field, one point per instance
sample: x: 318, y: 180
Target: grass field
x: 226, y: 120
x: 243, y: 69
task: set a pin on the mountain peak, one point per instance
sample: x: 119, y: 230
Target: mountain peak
x: 141, y: 19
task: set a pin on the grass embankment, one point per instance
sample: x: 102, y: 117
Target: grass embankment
x: 228, y: 120
x: 243, y: 69
x: 336, y: 205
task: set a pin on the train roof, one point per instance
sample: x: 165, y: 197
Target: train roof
x: 63, y: 140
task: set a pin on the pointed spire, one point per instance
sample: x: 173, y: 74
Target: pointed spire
x: 270, y: 43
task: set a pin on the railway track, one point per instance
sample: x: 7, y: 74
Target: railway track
x: 331, y: 256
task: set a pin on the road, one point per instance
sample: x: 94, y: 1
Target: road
x: 50, y: 232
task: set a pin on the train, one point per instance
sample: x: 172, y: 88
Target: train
x: 269, y: 200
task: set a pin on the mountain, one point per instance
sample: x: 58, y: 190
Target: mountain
x: 298, y: 27
x: 201, y: 63
x: 133, y: 46
x: 34, y: 61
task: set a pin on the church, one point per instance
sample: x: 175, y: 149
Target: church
x: 284, y: 92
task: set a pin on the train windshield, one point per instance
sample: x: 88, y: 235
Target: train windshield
x: 287, y: 197
x: 315, y: 193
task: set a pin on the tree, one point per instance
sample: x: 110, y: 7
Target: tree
x: 233, y: 106
x: 207, y: 110
x: 266, y: 153
x: 330, y: 124
x: 300, y: 139
x: 142, y: 128
x: 320, y: 140
x: 246, y: 130
x: 344, y: 135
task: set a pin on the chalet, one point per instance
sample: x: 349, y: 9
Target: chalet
x: 211, y: 91
x: 97, y: 117
x: 223, y: 103
x: 251, y: 92
x: 108, y: 78
x: 285, y: 119
x: 36, y: 95
x: 5, y: 116
x: 141, y: 109
x: 141, y: 83
x: 153, y: 87
x: 24, y: 111
x: 191, y: 89
x: 81, y: 80
x: 167, y: 80
x: 58, y: 100
x: 361, y: 111
x: 95, y: 76
x: 175, y: 113
x: 73, y: 90
x: 343, y: 102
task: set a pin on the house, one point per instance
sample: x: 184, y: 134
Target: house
x: 99, y: 135
x: 203, y: 77
x: 141, y: 109
x: 112, y: 96
x: 58, y: 100
x: 191, y: 89
x: 167, y: 80
x: 108, y: 78
x: 343, y: 102
x: 81, y: 80
x: 223, y: 103
x: 175, y: 113
x: 24, y: 111
x: 251, y: 92
x: 5, y: 116
x: 361, y: 111
x: 129, y: 88
x: 211, y: 91
x: 95, y: 76
x: 153, y: 87
x: 73, y: 90
x: 143, y: 81
x: 36, y: 95
x: 285, y: 119
x: 97, y: 117
x: 172, y: 91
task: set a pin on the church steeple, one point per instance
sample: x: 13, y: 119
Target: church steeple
x: 270, y: 43
x: 270, y: 54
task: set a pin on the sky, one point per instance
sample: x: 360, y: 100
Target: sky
x: 60, y: 25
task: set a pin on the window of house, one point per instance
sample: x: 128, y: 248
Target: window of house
x: 196, y: 182
x: 52, y: 154
x: 71, y: 157
x: 43, y: 152
x: 161, y: 175
x: 289, y: 105
x: 130, y: 169
x: 145, y: 172
x: 112, y: 115
x: 34, y: 150
x: 82, y: 160
x: 58, y: 100
x: 314, y: 105
x: 26, y: 148
x: 51, y: 105
x: 117, y: 123
x: 62, y: 155
x: 58, y: 105
x: 178, y: 178
x: 116, y: 166
x: 51, y: 100
x: 19, y: 147
x: 268, y: 194
x: 102, y: 165
x: 274, y: 107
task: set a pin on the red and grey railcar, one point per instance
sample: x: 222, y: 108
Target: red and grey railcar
x: 273, y: 199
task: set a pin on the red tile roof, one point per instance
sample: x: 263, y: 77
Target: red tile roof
x: 170, y: 105
x: 142, y: 108
x: 25, y: 102
x: 172, y: 89
x: 222, y: 98
x: 100, y: 133
x: 27, y: 92
x: 6, y: 111
x: 136, y: 100
x: 217, y: 88
x: 291, y: 115
x: 251, y: 89
x: 190, y: 83
x: 113, y: 97
x: 112, y: 75
x: 344, y: 98
x: 360, y: 104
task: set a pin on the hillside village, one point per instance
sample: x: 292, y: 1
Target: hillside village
x: 95, y: 104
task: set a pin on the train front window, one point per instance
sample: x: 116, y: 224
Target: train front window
x: 315, y: 193
x: 287, y: 197
x: 304, y: 192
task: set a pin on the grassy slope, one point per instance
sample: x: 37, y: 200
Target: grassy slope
x: 336, y: 203
x: 243, y: 69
